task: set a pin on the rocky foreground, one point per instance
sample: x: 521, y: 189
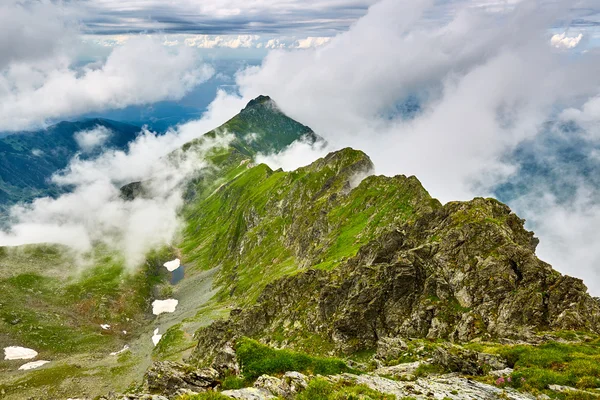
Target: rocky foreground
x: 443, y: 371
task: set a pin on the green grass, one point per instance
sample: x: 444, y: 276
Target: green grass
x: 172, y: 344
x: 276, y: 223
x: 233, y: 382
x: 535, y: 367
x: 320, y: 389
x: 257, y: 359
x: 426, y: 369
x: 46, y: 377
x: 61, y: 313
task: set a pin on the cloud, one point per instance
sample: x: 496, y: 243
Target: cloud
x: 141, y: 71
x: 295, y: 155
x: 94, y: 212
x: 562, y: 41
x: 221, y: 17
x: 217, y: 41
x: 311, y: 42
x: 32, y: 31
x: 92, y: 139
x: 568, y: 231
x: 229, y: 41
x: 485, y: 80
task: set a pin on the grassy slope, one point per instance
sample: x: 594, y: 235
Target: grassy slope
x: 55, y: 302
x: 264, y: 224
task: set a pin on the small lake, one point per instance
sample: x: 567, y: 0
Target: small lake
x: 178, y: 275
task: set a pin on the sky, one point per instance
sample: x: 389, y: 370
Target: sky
x: 474, y: 97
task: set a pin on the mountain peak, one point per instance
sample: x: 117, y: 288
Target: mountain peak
x: 260, y: 100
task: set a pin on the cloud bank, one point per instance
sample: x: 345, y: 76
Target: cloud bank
x: 221, y: 16
x: 485, y: 81
x: 94, y: 212
x: 142, y: 71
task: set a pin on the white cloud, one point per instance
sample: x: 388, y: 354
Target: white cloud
x: 296, y: 155
x: 311, y: 42
x: 141, y: 71
x: 94, y: 212
x: 32, y: 31
x: 568, y: 231
x: 89, y: 140
x: 562, y: 41
x: 486, y: 82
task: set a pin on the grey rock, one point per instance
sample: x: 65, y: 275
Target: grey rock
x: 287, y: 387
x: 390, y: 348
x: 249, y: 394
x: 272, y: 385
x: 405, y: 371
x: 501, y: 372
x: 166, y: 377
x: 446, y: 386
x: 296, y: 380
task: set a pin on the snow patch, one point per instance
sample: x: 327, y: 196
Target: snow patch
x: 172, y: 265
x: 33, y: 365
x: 105, y: 327
x: 123, y: 350
x: 19, y: 353
x: 164, y: 306
x: 156, y: 337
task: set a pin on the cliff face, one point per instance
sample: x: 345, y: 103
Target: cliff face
x: 412, y: 267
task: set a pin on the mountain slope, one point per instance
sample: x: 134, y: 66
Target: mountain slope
x: 57, y: 301
x: 327, y: 260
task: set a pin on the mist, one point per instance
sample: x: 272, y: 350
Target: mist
x: 95, y: 212
x: 485, y: 81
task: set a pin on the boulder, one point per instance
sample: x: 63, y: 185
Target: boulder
x: 166, y: 378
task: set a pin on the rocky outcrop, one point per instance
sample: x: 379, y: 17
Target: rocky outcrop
x: 441, y: 387
x: 167, y: 378
x: 462, y: 271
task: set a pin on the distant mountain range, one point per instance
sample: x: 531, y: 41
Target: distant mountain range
x: 28, y: 159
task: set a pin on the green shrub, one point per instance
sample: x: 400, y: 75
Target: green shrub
x: 320, y: 389
x: 233, y: 382
x: 568, y: 364
x: 257, y: 359
x: 426, y: 369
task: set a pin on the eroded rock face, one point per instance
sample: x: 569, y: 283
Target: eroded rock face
x: 166, y: 378
x: 463, y: 271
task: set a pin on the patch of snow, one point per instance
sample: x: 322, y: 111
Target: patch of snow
x: 105, y: 327
x: 33, y: 365
x: 156, y: 337
x: 123, y: 350
x: 19, y: 353
x: 172, y: 265
x: 124, y: 332
x: 164, y: 306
